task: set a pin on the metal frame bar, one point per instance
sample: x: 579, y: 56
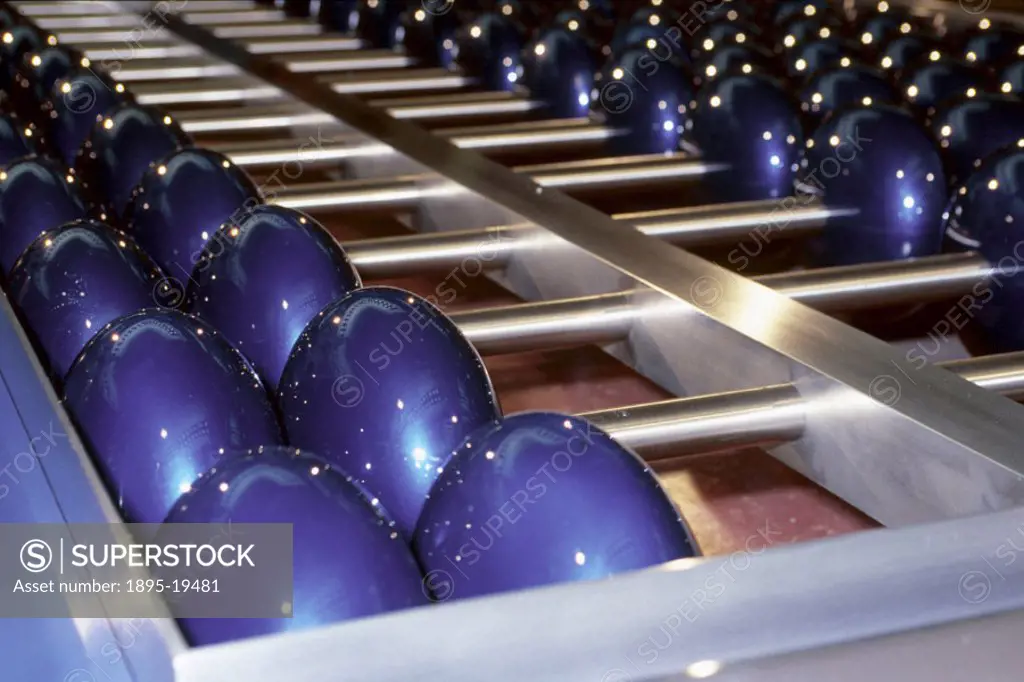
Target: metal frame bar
x: 957, y: 455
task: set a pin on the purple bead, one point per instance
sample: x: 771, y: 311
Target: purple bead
x: 649, y: 27
x: 875, y: 29
x: 557, y: 68
x: 736, y: 59
x: 14, y: 143
x: 260, y: 301
x: 347, y: 562
x: 376, y: 21
x: 488, y: 49
x: 18, y: 40
x: 430, y: 36
x: 34, y: 80
x: 76, y: 102
x: 120, y: 148
x: 937, y: 80
x: 841, y: 87
x: 749, y: 124
x: 804, y: 29
x: 385, y: 387
x: 821, y: 53
x: 1011, y: 77
x: 36, y: 194
x: 338, y: 15
x: 182, y: 201
x: 986, y: 215
x: 74, y: 280
x: 993, y: 44
x: 541, y: 498
x: 880, y: 164
x: 158, y: 398
x: 903, y: 50
x: 971, y: 128
x: 787, y: 10
x: 645, y: 93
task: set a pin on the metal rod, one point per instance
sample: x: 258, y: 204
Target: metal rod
x: 279, y: 29
x: 686, y: 227
x: 764, y: 416
x: 408, y: 191
x: 286, y: 116
x: 197, y: 68
x: 609, y: 317
x: 529, y: 135
x: 126, y: 50
x: 114, y: 20
x: 246, y: 89
x: 79, y: 7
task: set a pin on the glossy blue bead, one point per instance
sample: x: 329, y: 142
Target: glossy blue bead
x: 489, y: 50
x: 723, y: 10
x: 76, y: 102
x: 8, y: 18
x: 986, y: 215
x: 880, y: 162
x: 542, y: 498
x: 430, y: 36
x: 594, y: 27
x: 723, y: 33
x: 385, y: 387
x: 903, y: 50
x: 18, y: 40
x: 74, y: 280
x: 1011, y: 78
x: 529, y: 14
x: 803, y: 30
x: 649, y: 27
x: 751, y: 125
x: 158, y: 398
x: 841, y: 87
x: 789, y: 9
x: 260, y: 301
x: 14, y: 143
x: 179, y: 203
x: 971, y: 128
x: 557, y: 68
x: 746, y: 58
x: 876, y: 28
x: 346, y: 562
x: 119, y: 150
x: 935, y: 82
x: 377, y: 20
x: 34, y: 80
x: 993, y: 45
x: 338, y: 15
x: 647, y: 97
x: 36, y: 194
x: 821, y: 53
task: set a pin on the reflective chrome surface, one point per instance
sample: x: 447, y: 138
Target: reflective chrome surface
x: 404, y: 191
x: 547, y: 135
x: 244, y: 89
x: 288, y: 115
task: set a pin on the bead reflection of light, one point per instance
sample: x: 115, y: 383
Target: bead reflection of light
x: 703, y: 669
